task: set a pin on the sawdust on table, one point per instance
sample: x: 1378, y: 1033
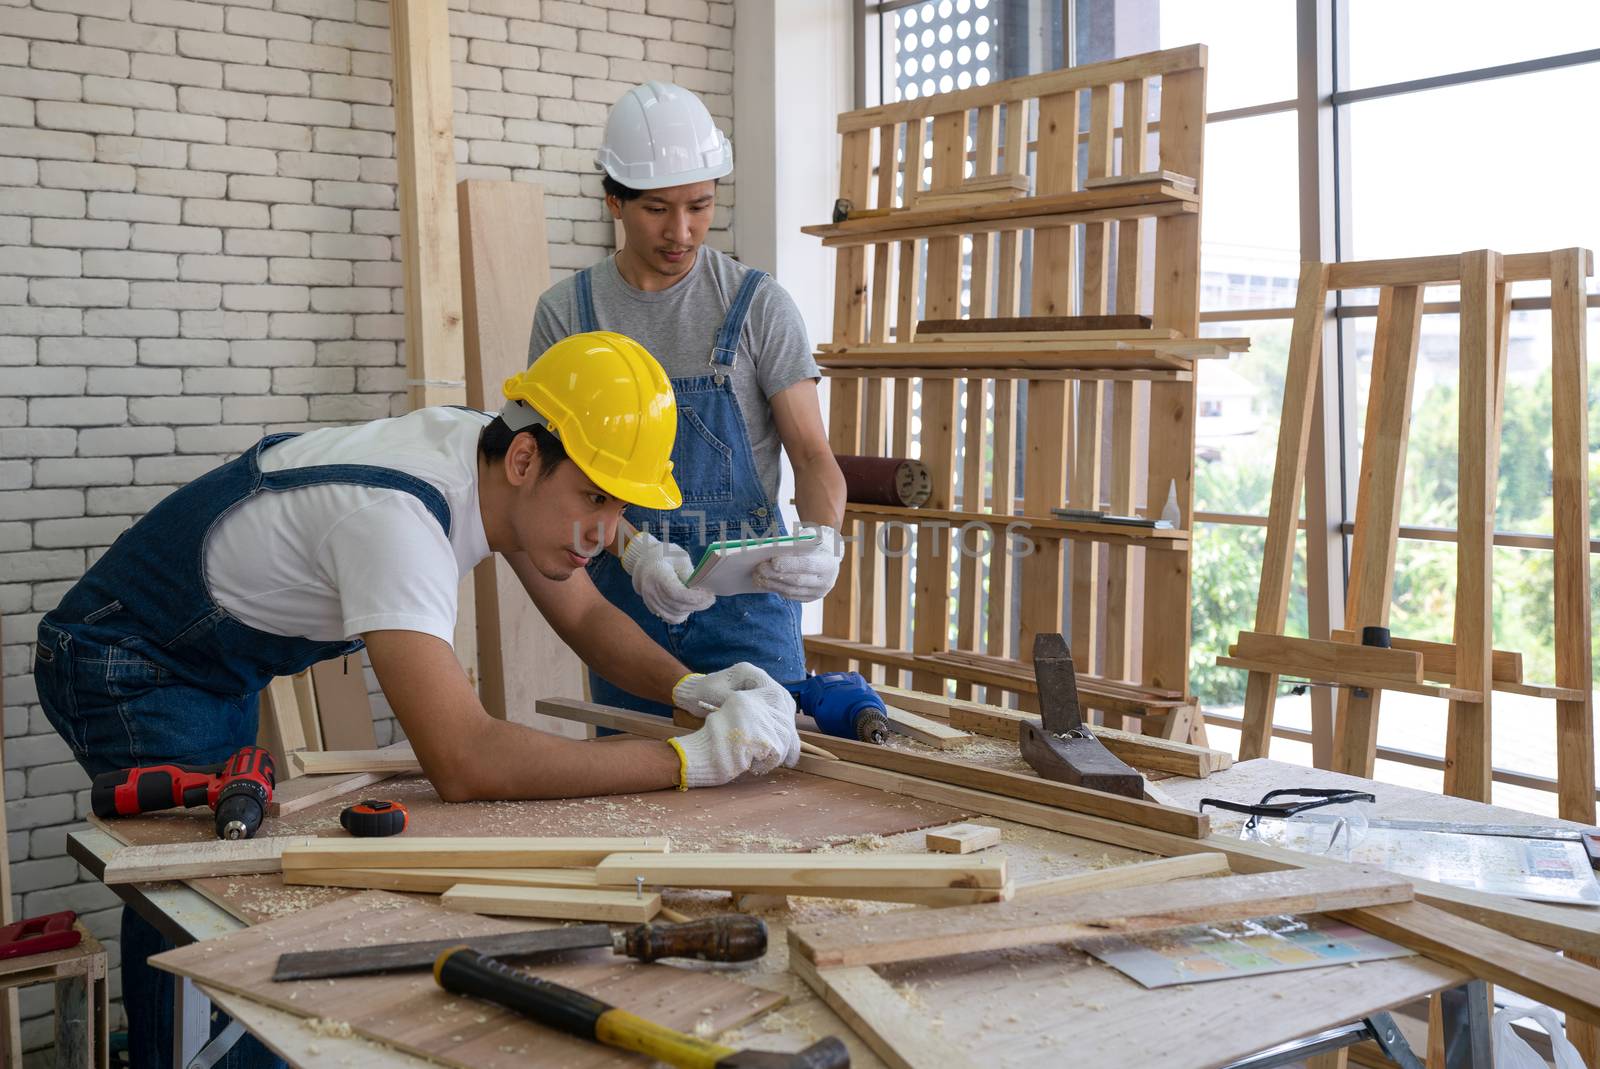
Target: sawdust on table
x: 327, y: 1027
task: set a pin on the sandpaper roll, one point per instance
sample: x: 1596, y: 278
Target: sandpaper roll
x: 886, y: 481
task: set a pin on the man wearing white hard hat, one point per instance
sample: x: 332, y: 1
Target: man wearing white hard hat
x: 736, y: 349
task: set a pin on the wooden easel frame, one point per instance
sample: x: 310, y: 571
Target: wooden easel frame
x: 1469, y: 670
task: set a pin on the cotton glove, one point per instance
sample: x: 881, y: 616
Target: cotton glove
x: 804, y: 576
x: 659, y: 570
x: 700, y: 693
x: 754, y: 731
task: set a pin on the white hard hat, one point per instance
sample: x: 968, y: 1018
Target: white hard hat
x: 660, y: 135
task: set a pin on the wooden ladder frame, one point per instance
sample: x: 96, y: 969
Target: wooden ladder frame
x: 1135, y: 392
x: 1468, y: 670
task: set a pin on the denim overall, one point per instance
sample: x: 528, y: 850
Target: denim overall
x: 722, y: 499
x: 138, y: 666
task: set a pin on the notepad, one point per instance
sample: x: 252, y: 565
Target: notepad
x: 728, y: 568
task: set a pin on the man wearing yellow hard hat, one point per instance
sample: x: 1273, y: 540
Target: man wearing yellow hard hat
x: 309, y: 546
x: 736, y: 347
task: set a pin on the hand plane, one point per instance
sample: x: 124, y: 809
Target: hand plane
x: 1061, y: 747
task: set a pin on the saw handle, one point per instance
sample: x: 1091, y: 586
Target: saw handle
x: 729, y: 937
x: 466, y: 972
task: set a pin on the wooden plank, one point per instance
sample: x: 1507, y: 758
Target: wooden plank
x: 425, y: 154
x: 555, y: 903
x: 1016, y: 785
x: 438, y: 881
x: 1283, y: 510
x: 928, y: 732
x: 187, y: 861
x: 962, y: 838
x: 505, y: 266
x: 280, y: 729
x: 895, y: 1031
x: 305, y: 697
x: 1468, y: 771
x: 1439, y: 658
x: 1359, y: 679
x: 1549, y: 925
x: 1141, y: 751
x: 1058, y: 213
x: 1323, y: 659
x: 1566, y: 985
x: 800, y: 872
x: 1094, y: 326
x: 1168, y: 62
x: 898, y: 936
x: 970, y: 593
x: 1575, y: 773
x: 1383, y: 458
x: 1043, y: 486
x: 1002, y: 492
x: 1423, y: 270
x: 1138, y: 874
x: 508, y: 852
x: 1084, y: 493
x: 343, y: 705
x: 10, y: 1014
x: 291, y: 796
x: 395, y: 760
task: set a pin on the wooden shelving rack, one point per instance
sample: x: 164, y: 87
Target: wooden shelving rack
x: 1014, y: 425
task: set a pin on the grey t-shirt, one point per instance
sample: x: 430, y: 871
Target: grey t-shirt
x: 679, y: 324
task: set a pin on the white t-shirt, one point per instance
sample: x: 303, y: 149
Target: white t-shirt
x: 331, y: 561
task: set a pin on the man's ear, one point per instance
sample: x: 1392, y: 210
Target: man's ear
x: 522, y: 460
x: 615, y: 204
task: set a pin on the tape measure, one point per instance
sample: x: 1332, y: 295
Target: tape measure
x: 374, y: 818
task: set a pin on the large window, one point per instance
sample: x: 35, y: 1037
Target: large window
x: 1454, y: 128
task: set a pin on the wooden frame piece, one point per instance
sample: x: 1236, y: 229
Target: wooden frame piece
x: 554, y: 903
x: 188, y: 861
x: 437, y: 881
x: 894, y: 937
x: 506, y: 852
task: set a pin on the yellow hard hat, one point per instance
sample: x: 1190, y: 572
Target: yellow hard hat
x: 611, y: 404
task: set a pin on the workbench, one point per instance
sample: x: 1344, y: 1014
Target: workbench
x: 1084, y: 1007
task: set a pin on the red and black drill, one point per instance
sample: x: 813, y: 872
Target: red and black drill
x: 237, y: 791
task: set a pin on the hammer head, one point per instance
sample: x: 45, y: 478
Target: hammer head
x: 827, y: 1053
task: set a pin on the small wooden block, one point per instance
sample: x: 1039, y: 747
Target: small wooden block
x: 558, y: 903
x: 185, y: 861
x: 963, y: 838
x: 928, y: 732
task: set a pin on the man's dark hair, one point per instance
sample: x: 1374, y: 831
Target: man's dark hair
x: 496, y: 439
x: 616, y: 189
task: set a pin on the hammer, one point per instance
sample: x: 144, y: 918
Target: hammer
x: 464, y: 971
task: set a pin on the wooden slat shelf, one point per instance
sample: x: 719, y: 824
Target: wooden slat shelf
x: 1098, y: 374
x: 1322, y: 678
x: 1112, y: 696
x: 1173, y: 539
x: 1142, y: 201
x: 1048, y: 343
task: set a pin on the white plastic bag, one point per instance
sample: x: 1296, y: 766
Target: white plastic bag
x: 1511, y: 1051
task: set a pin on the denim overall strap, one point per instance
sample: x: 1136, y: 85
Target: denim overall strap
x: 722, y: 498
x: 586, y: 316
x: 148, y: 595
x: 725, y: 350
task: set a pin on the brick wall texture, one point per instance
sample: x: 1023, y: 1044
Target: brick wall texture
x: 199, y: 245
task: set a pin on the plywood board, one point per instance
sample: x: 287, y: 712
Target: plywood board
x: 786, y: 810
x: 505, y: 266
x: 410, y: 1012
x: 343, y: 704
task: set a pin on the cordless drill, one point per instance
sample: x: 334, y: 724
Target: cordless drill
x: 843, y: 704
x: 237, y: 791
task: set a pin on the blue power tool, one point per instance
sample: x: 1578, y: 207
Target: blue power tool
x: 843, y: 704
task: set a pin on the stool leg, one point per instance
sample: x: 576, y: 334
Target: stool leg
x: 75, y: 1024
x: 102, y: 1009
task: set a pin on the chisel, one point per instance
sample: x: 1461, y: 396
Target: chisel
x: 462, y: 971
x: 730, y: 937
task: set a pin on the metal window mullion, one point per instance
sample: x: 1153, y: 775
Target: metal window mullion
x: 1481, y: 74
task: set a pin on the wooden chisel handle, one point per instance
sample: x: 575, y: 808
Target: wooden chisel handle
x: 465, y: 972
x: 728, y: 937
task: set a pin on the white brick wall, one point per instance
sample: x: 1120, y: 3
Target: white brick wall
x: 198, y: 244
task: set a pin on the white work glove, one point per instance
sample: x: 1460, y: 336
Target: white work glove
x: 700, y: 693
x: 804, y: 576
x: 754, y: 731
x: 659, y: 570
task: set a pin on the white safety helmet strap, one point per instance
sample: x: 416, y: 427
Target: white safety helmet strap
x: 660, y: 135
